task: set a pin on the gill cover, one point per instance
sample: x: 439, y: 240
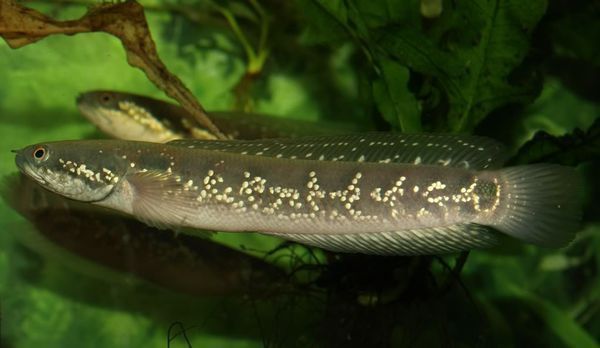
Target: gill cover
x: 75, y: 172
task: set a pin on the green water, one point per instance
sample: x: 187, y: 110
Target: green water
x: 325, y: 63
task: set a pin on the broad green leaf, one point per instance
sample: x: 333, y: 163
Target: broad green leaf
x: 480, y: 44
x: 415, y: 50
x: 322, y: 25
x: 335, y: 8
x: 558, y: 110
x: 381, y: 13
x: 570, y: 149
x: 395, y: 101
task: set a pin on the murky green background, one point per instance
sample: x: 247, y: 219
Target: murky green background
x: 52, y: 299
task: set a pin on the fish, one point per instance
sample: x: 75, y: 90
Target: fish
x: 130, y: 116
x: 183, y: 264
x: 387, y: 194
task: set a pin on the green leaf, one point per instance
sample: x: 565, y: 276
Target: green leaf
x: 478, y: 45
x: 559, y: 109
x: 380, y: 13
x: 395, y: 102
x: 322, y: 25
x: 419, y: 53
x: 570, y: 149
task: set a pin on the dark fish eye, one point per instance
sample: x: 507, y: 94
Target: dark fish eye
x: 39, y: 153
x: 105, y: 98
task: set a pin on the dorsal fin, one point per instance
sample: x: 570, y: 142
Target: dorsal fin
x: 431, y: 149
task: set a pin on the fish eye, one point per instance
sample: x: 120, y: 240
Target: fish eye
x: 40, y: 153
x: 105, y: 98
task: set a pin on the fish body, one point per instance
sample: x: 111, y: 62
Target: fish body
x: 130, y: 116
x: 378, y: 203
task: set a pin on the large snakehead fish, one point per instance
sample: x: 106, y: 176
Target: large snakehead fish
x: 370, y: 193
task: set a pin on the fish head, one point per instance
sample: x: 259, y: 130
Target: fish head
x: 122, y: 116
x: 80, y: 171
x: 99, y: 100
x: 102, y: 109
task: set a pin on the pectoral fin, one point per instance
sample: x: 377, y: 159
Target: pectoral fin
x: 161, y: 200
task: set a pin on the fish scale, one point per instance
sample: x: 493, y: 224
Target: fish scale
x: 318, y: 196
x: 380, y: 200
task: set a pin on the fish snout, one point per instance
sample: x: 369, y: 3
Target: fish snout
x: 80, y: 98
x: 19, y: 159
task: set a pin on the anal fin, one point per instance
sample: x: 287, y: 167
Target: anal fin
x: 425, y: 241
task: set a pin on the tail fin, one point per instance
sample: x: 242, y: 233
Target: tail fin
x: 542, y: 204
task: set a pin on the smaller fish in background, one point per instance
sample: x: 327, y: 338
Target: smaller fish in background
x: 130, y: 116
x: 182, y: 264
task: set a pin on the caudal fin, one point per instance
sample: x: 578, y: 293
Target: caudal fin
x: 541, y: 205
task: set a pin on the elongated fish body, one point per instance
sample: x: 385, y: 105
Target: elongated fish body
x: 380, y: 200
x: 134, y: 117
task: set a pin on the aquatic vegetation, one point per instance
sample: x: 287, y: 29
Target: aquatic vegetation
x: 504, y: 69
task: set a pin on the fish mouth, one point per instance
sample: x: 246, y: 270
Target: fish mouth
x: 85, y: 104
x: 96, y: 115
x: 25, y: 167
x: 82, y: 101
x: 19, y: 160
